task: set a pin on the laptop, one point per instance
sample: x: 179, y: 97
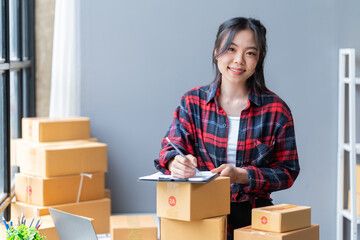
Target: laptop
x: 70, y: 227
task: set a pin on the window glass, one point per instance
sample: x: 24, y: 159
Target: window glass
x: 2, y: 57
x: 14, y: 104
x: 25, y: 30
x: 2, y: 105
x: 14, y: 29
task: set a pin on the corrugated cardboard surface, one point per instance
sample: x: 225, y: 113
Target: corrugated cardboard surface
x: 99, y: 210
x: 46, y: 229
x: 248, y: 233
x: 61, y: 158
x: 107, y: 193
x: 58, y: 190
x: 357, y: 202
x: 281, y: 218
x: 142, y: 227
x: 193, y: 201
x: 206, y: 229
x: 55, y: 129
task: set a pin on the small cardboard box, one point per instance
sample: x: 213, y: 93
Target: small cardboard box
x: 59, y: 190
x: 210, y: 228
x: 357, y: 203
x: 281, y: 218
x: 193, y: 201
x: 60, y: 159
x: 142, y: 227
x: 47, y: 228
x: 99, y: 210
x: 55, y: 129
x: 248, y: 233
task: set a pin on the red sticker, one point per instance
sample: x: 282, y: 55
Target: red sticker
x: 172, y: 201
x: 263, y: 220
x: 28, y: 190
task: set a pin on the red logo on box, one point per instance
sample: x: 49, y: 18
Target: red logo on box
x: 263, y: 220
x: 172, y: 201
x: 28, y: 190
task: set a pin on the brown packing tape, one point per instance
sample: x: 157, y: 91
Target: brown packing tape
x: 134, y: 231
x: 173, y: 190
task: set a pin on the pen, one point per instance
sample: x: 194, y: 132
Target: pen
x: 37, y: 228
x: 37, y: 223
x: 6, y: 225
x: 178, y: 151
x: 32, y: 220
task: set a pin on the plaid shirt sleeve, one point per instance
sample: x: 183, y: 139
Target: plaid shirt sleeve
x: 284, y: 167
x: 180, y: 133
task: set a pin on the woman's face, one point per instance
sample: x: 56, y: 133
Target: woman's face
x: 238, y: 63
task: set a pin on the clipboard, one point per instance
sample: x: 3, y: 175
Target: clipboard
x: 201, y: 177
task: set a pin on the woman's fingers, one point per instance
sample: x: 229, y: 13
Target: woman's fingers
x: 219, y: 169
x: 182, y: 167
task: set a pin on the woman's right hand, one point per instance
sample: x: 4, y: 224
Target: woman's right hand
x: 181, y: 167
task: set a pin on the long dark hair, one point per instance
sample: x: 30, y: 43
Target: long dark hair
x: 230, y: 28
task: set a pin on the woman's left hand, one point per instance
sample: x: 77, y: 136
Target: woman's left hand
x: 237, y: 175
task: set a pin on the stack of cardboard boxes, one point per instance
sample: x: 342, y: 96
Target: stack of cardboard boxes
x: 63, y: 168
x: 190, y: 211
x: 279, y: 222
x: 193, y: 210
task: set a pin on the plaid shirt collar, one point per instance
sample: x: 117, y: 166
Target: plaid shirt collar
x: 214, y: 91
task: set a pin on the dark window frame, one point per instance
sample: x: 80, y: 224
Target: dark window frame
x: 25, y: 95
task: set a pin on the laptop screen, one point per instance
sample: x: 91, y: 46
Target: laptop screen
x: 70, y: 227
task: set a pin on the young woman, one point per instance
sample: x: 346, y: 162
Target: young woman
x: 235, y: 126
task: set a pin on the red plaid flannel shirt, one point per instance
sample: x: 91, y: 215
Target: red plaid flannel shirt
x: 266, y: 141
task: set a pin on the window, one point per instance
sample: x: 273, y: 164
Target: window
x: 17, y: 84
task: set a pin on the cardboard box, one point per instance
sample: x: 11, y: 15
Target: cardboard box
x: 58, y: 190
x: 61, y: 158
x: 47, y: 228
x: 99, y: 210
x: 107, y: 193
x: 193, y: 201
x: 55, y: 129
x: 357, y: 203
x: 248, y: 233
x: 142, y: 227
x: 210, y: 228
x: 281, y: 218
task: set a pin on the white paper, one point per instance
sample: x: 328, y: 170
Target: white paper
x: 202, y: 176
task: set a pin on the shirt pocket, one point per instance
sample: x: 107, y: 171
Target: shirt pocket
x: 262, y: 154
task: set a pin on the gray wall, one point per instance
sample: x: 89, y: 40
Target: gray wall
x: 139, y: 57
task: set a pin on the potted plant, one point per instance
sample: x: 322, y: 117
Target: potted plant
x: 23, y: 232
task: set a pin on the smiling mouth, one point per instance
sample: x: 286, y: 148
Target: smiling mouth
x: 237, y: 70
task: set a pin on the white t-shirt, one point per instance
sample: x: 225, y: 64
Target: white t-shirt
x: 234, y: 123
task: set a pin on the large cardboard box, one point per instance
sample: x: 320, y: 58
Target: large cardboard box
x: 55, y: 129
x: 61, y: 158
x: 248, y: 233
x: 59, y: 190
x: 47, y: 228
x: 281, y: 218
x: 210, y: 228
x: 142, y: 227
x: 99, y: 210
x: 193, y: 201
